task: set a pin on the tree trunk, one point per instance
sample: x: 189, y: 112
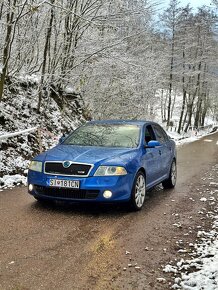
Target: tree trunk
x: 6, y: 51
x: 1, y: 9
x: 203, y: 116
x: 45, y: 53
x: 189, y: 114
x: 173, y: 105
x: 198, y: 112
x: 184, y: 93
x: 162, y: 109
x: 170, y: 95
x: 182, y: 111
x: 184, y: 121
x: 9, y: 38
x: 171, y: 76
x: 191, y: 104
x: 205, y: 108
x: 201, y: 98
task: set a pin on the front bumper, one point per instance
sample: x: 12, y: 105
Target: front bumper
x: 91, y: 188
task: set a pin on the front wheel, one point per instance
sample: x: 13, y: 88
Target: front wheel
x: 171, y: 181
x: 138, y: 191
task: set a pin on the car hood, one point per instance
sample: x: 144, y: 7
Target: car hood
x: 91, y: 155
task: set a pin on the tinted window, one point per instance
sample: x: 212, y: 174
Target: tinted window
x: 149, y: 134
x: 161, y: 135
x: 106, y: 135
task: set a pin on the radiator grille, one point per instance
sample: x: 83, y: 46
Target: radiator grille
x: 73, y: 170
x: 66, y: 192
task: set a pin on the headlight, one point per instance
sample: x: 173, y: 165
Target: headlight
x: 110, y: 171
x: 36, y: 166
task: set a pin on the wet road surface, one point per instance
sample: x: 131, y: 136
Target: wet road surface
x: 84, y: 247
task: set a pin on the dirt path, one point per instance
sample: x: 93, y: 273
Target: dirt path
x: 84, y: 247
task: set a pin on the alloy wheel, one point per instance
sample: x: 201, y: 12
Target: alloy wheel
x: 173, y: 173
x: 140, y: 190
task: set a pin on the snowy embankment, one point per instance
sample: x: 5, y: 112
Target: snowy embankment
x: 9, y: 181
x: 24, y: 132
x: 16, y: 179
x: 200, y: 269
x: 190, y: 136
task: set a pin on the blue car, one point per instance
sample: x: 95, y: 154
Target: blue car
x: 105, y: 161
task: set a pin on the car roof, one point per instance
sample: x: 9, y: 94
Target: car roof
x: 129, y: 122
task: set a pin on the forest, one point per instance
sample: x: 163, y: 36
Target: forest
x: 124, y: 59
x: 65, y: 62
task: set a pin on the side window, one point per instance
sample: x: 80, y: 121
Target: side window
x: 160, y: 134
x: 149, y: 134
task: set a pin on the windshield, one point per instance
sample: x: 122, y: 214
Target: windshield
x: 105, y: 135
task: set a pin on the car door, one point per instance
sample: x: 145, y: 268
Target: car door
x: 151, y: 159
x: 165, y: 150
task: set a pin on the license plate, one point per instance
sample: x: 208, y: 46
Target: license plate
x: 64, y: 183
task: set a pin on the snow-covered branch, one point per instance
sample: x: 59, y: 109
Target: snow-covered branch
x: 22, y: 132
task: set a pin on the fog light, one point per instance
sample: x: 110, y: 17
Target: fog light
x: 107, y: 194
x: 30, y: 187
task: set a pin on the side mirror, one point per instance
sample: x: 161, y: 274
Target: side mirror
x: 153, y: 144
x: 63, y: 137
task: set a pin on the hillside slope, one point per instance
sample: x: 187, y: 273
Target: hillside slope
x: 18, y: 111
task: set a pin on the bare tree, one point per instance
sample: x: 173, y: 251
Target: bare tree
x: 45, y: 53
x: 171, y: 18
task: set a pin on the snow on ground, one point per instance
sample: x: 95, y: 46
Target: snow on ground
x: 9, y: 181
x: 201, y: 271
x: 188, y: 137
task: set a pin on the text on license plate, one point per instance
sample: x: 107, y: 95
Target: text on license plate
x: 64, y: 183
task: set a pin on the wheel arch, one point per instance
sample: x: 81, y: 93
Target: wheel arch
x: 174, y: 159
x: 142, y: 169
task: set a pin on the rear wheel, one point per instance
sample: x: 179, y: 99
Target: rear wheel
x: 138, y: 191
x: 171, y: 181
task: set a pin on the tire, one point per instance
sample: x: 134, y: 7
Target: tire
x: 138, y: 191
x: 171, y: 181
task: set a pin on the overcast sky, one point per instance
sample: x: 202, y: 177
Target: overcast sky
x: 196, y: 3
x: 193, y: 3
